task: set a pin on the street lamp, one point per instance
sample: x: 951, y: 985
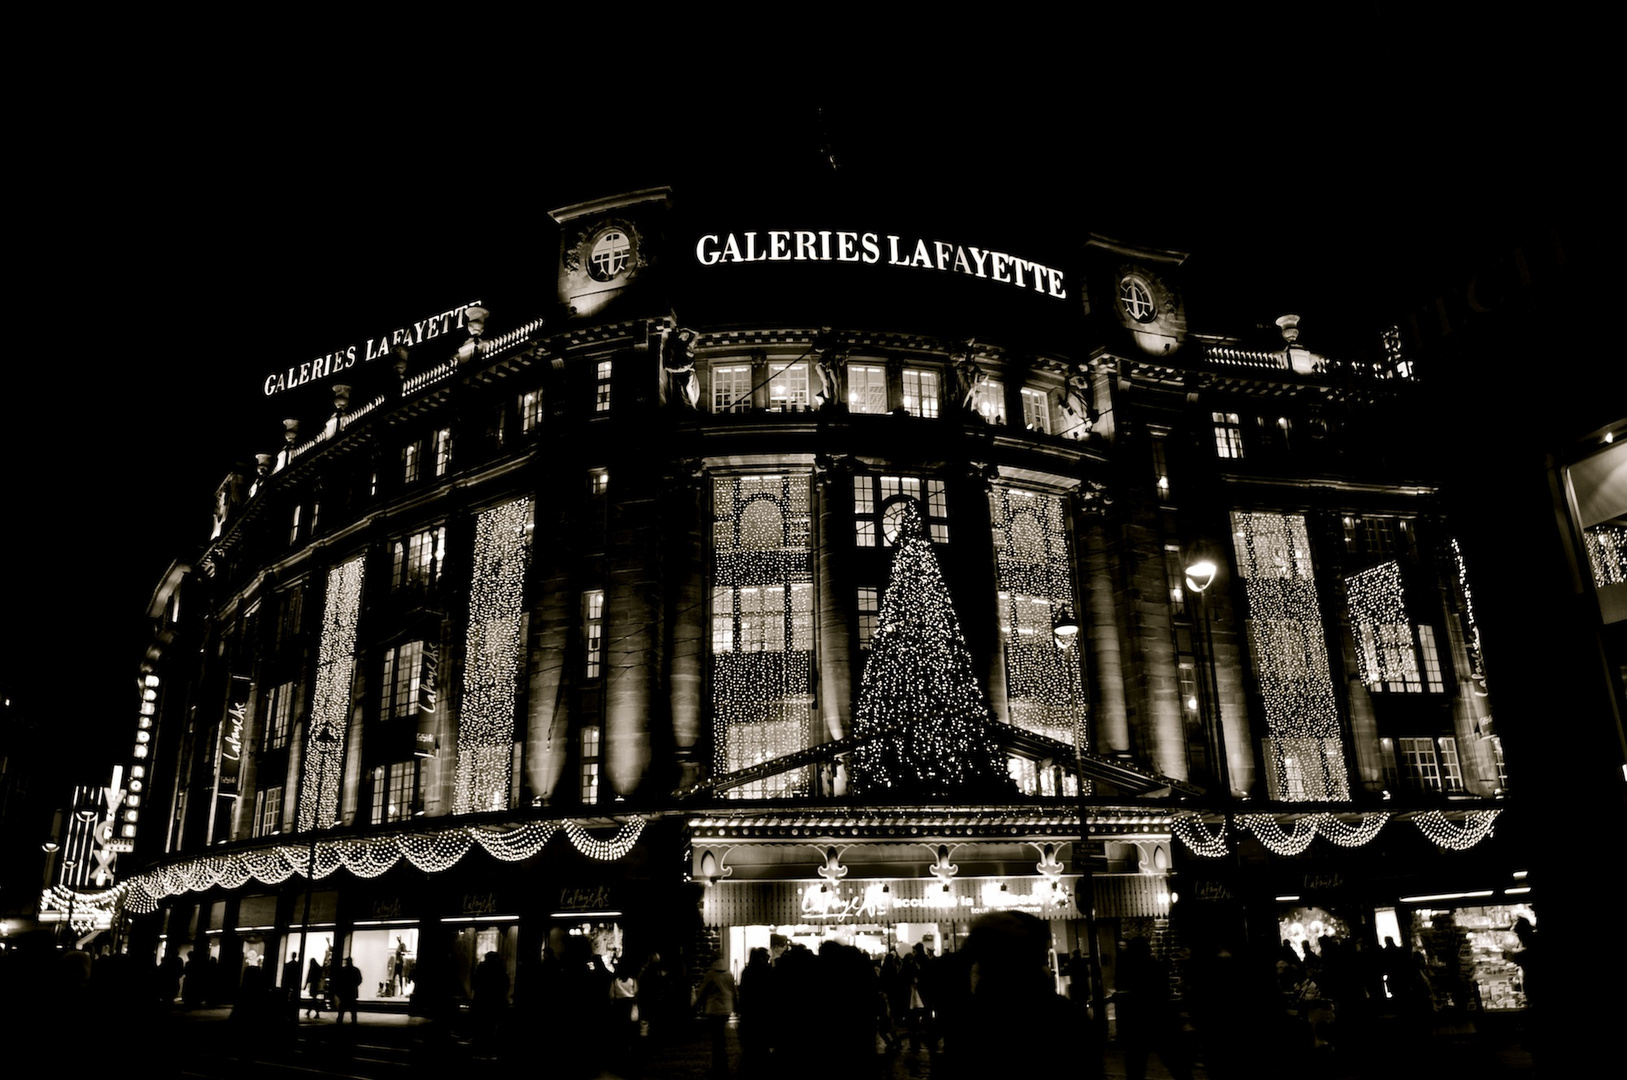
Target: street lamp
x: 1064, y: 633
x: 1202, y: 570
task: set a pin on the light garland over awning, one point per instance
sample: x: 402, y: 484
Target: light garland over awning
x: 364, y: 857
x: 1268, y: 829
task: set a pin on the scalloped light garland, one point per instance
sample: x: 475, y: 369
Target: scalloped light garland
x: 363, y: 857
x: 1477, y: 825
x: 1197, y: 837
x: 1268, y: 830
x: 1351, y: 835
x: 605, y: 850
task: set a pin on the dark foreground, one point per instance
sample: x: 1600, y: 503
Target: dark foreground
x: 175, y: 1042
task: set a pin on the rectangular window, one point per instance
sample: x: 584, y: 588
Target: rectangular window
x: 293, y: 528
x: 989, y: 402
x: 1175, y: 577
x: 1378, y: 537
x: 1496, y: 744
x: 1036, y: 410
x: 731, y: 388
x: 1419, y: 764
x: 530, y: 411
x: 418, y: 559
x: 1451, y: 769
x: 590, y: 764
x: 279, y: 717
x: 593, y: 632
x: 400, y: 679
x: 290, y: 611
x: 869, y: 611
x: 722, y: 620
x: 1228, y: 435
x: 921, y: 395
x: 497, y: 432
x: 395, y: 791
x: 866, y: 388
x: 268, y: 811
x: 788, y: 389
x: 598, y: 481
x: 1432, y: 660
x: 411, y: 462
x: 443, y: 451
x: 1160, y: 467
x: 601, y: 388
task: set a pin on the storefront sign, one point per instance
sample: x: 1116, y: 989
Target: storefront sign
x: 343, y: 359
x: 231, y: 742
x: 589, y: 898
x: 882, y: 901
x: 479, y: 903
x: 826, y: 245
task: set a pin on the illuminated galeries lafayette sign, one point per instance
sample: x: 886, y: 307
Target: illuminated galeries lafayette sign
x: 868, y: 248
x: 340, y: 360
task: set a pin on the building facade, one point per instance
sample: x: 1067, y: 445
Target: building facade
x: 833, y: 584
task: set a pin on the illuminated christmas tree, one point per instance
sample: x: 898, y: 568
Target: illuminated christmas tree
x: 923, y: 726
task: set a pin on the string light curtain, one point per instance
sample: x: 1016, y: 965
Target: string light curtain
x: 330, y: 706
x: 492, y: 658
x: 1307, y: 757
x: 922, y: 723
x: 1035, y: 582
x: 1471, y: 636
x: 1378, y: 618
x: 762, y: 628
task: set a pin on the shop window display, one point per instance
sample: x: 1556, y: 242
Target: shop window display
x: 1471, y: 955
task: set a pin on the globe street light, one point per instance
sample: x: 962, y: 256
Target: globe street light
x: 1201, y: 573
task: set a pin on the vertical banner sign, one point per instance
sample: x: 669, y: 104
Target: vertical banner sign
x: 231, y: 738
x: 425, y: 742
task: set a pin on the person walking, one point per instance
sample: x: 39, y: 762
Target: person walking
x: 1146, y: 1022
x: 715, y: 999
x: 347, y: 989
x: 313, y: 989
x: 999, y: 984
x: 490, y: 985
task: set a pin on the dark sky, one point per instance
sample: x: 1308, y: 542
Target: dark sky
x: 199, y: 228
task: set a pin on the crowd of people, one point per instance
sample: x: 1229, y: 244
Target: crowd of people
x: 795, y: 1010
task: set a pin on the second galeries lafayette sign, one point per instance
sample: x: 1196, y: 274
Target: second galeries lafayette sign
x: 886, y: 249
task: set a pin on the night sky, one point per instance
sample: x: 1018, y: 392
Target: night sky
x: 198, y: 229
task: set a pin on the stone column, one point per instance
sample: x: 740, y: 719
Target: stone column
x: 837, y: 599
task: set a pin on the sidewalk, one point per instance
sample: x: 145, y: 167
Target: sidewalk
x: 411, y: 1044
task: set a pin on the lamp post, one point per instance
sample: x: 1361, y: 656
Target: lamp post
x: 1201, y: 573
x: 1065, y: 633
